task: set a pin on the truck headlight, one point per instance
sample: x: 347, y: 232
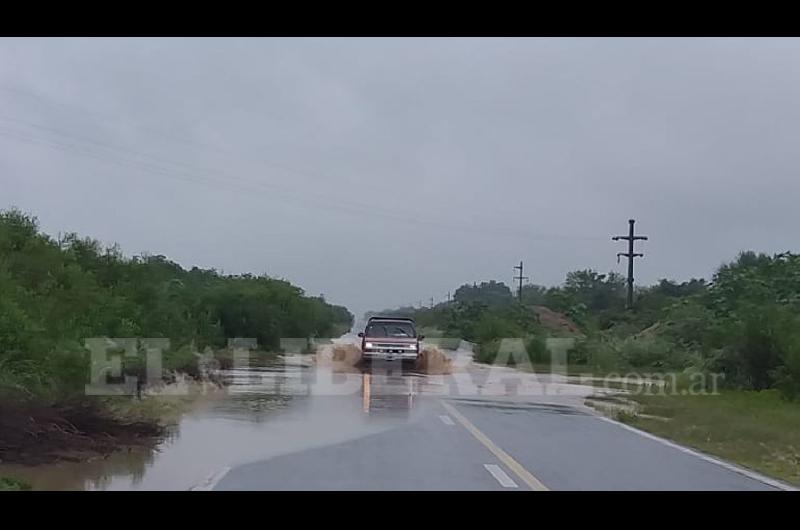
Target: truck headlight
x: 368, y: 345
x: 412, y: 346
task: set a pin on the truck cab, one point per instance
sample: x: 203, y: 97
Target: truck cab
x: 390, y: 338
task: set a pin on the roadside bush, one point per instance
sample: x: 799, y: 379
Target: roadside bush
x: 183, y: 360
x: 650, y: 351
x: 582, y: 352
x: 486, y: 352
x: 602, y: 355
x: 489, y: 332
x: 509, y: 350
x: 751, y: 346
x: 536, y: 346
x: 688, y: 322
x: 68, y: 366
x: 12, y: 484
x: 595, y: 351
x: 787, y: 376
x: 607, y: 352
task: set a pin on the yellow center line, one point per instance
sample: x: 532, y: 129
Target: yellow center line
x: 504, y: 457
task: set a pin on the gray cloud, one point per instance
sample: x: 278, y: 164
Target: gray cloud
x: 387, y: 171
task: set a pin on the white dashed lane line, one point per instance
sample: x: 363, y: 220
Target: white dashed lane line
x: 446, y: 419
x: 500, y: 475
x: 209, y: 483
x: 523, y: 474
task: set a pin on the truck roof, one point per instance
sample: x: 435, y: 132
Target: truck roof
x: 393, y: 319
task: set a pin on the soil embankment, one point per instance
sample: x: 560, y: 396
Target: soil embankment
x: 34, y: 434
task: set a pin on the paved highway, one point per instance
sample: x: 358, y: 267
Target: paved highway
x: 427, y: 438
x: 492, y: 446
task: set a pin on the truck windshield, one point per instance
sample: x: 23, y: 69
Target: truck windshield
x: 390, y: 329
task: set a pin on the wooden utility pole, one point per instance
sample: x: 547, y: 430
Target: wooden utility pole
x: 630, y: 238
x: 520, y: 278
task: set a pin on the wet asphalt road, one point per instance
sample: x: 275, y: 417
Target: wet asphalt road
x: 442, y: 443
x: 300, y: 424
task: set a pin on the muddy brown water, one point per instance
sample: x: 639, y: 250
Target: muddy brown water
x: 288, y: 405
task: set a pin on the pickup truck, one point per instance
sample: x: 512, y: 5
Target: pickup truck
x: 390, y: 338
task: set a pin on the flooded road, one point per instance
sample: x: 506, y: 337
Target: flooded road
x: 286, y: 405
x: 301, y: 423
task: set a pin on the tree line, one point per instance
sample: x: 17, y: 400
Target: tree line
x: 744, y: 323
x: 55, y: 293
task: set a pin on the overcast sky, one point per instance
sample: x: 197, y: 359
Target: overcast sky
x: 388, y: 171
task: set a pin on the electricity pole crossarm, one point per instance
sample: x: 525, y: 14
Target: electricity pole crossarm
x: 630, y: 238
x: 625, y: 254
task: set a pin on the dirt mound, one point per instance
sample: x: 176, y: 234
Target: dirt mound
x: 434, y: 361
x: 556, y: 321
x: 35, y: 435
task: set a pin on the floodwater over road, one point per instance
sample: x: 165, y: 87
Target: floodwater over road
x: 303, y: 422
x: 283, y: 406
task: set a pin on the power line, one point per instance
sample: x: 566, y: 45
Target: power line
x: 104, y: 151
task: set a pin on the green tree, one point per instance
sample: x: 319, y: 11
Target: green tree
x: 491, y: 293
x: 54, y: 294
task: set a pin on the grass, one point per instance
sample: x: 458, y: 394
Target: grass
x: 161, y: 409
x: 12, y: 484
x: 757, y: 430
